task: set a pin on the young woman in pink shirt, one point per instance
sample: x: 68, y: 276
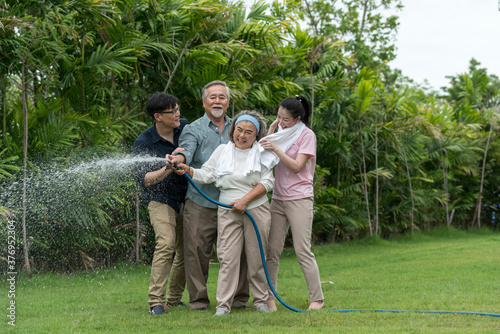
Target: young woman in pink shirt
x: 292, y: 200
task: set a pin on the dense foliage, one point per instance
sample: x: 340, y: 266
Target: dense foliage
x: 75, y: 75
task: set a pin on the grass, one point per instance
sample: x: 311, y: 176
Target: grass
x: 440, y: 270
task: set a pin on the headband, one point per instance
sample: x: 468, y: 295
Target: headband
x: 249, y: 118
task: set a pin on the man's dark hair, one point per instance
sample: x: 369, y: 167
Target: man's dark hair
x: 159, y: 102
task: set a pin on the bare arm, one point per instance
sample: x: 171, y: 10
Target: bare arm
x: 273, y: 127
x: 295, y: 165
x: 157, y: 176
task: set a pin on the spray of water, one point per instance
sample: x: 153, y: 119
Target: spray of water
x: 119, y: 164
x: 83, y: 210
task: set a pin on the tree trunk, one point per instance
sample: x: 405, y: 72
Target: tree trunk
x: 376, y: 176
x: 82, y: 92
x: 365, y: 182
x: 477, y: 212
x: 445, y: 184
x: 176, y: 65
x: 363, y: 21
x: 411, y: 190
x: 339, y: 167
x: 3, y: 101
x: 25, y: 162
x: 137, y: 234
x: 311, y: 115
x: 313, y: 23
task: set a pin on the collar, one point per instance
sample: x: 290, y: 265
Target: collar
x: 207, y: 121
x: 156, y: 136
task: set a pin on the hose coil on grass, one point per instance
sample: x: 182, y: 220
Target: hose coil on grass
x: 263, y: 258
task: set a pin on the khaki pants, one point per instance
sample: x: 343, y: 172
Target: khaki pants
x: 297, y: 214
x: 237, y: 235
x: 200, y: 233
x: 167, y: 225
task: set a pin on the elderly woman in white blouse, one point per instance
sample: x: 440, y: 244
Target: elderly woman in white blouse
x: 237, y: 170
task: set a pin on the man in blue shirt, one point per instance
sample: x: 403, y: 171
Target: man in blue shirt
x: 199, y: 140
x: 164, y: 193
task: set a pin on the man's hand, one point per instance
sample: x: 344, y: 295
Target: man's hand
x: 177, y: 159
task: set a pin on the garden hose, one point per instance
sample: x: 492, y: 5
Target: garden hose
x: 262, y: 256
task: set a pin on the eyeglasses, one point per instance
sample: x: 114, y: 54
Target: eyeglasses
x: 169, y: 111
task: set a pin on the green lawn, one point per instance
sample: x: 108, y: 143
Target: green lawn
x: 441, y: 270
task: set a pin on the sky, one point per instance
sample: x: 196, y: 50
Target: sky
x: 437, y: 38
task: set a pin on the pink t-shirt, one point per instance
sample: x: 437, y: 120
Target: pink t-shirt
x: 288, y: 185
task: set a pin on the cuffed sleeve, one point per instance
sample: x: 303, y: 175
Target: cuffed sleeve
x: 267, y: 179
x: 189, y: 142
x: 205, y: 174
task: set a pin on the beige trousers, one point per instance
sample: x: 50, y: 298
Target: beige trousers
x: 297, y: 214
x: 236, y: 236
x: 200, y: 233
x: 167, y: 225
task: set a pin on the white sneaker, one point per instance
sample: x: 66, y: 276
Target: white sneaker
x: 219, y: 312
x: 263, y: 309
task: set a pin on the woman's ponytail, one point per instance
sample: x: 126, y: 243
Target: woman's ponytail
x: 297, y: 106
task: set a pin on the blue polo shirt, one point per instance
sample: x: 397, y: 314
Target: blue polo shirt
x: 172, y: 190
x: 200, y: 139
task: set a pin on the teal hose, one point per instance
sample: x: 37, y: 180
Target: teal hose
x: 262, y: 256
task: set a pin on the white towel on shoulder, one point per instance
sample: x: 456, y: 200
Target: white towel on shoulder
x: 283, y: 139
x: 225, y: 165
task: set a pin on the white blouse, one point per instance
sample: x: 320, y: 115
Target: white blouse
x: 235, y: 185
